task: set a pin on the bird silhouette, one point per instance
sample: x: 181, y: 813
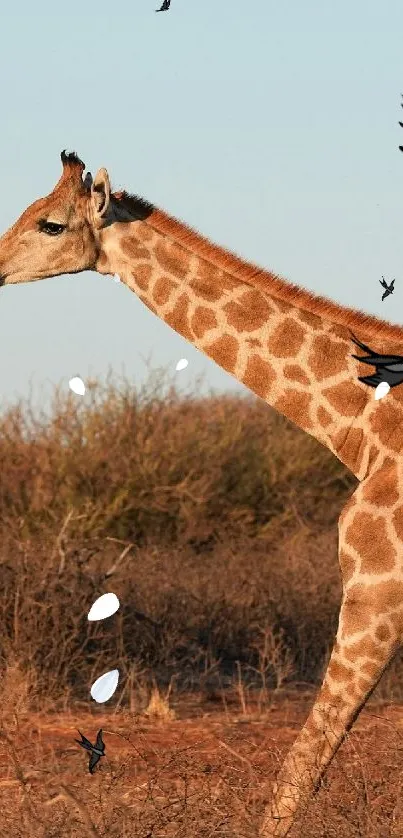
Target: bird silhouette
x: 389, y: 288
x: 165, y: 6
x: 97, y: 750
x: 389, y: 368
x: 401, y: 123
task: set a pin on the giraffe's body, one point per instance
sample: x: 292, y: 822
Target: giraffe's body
x: 294, y: 350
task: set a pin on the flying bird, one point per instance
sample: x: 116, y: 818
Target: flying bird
x: 388, y: 368
x: 389, y: 288
x: 97, y: 750
x: 401, y: 124
x: 165, y: 6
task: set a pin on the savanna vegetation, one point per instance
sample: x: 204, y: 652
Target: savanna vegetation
x: 214, y: 520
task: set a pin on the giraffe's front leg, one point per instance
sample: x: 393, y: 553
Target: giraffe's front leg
x: 370, y: 632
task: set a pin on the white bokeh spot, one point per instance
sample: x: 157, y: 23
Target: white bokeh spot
x: 77, y: 385
x: 104, y: 687
x: 104, y: 607
x: 381, y: 390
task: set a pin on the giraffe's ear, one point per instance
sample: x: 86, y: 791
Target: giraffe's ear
x: 100, y: 193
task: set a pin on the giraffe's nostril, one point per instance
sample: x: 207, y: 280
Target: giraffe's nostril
x: 3, y: 278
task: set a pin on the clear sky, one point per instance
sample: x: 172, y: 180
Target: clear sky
x: 270, y: 127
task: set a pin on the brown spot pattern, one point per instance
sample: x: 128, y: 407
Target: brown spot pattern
x: 130, y: 246
x: 382, y: 420
x: 364, y: 686
x: 364, y: 648
x: 381, y: 488
x: 282, y: 305
x: 163, y: 288
x: 210, y: 275
x: 144, y: 232
x: 395, y: 440
x: 352, y: 619
x: 397, y: 622
x: 369, y: 538
x: 390, y: 595
x: 326, y: 696
x: 383, y: 632
x: 173, y: 259
x: 295, y: 373
x: 249, y: 313
x: 338, y: 672
x: 227, y: 282
x: 287, y: 339
x: 224, y: 351
x: 361, y: 456
x: 347, y: 398
x: 310, y: 319
x: 352, y: 692
x: 259, y: 376
x: 370, y: 668
x: 347, y: 566
x: 253, y: 342
x: 142, y: 276
x: 205, y: 283
x: 295, y: 406
x: 325, y: 418
x: 178, y: 318
x: 367, y: 602
x: 350, y: 447
x: 398, y: 522
x: 203, y: 320
x: 340, y: 331
x: 327, y: 357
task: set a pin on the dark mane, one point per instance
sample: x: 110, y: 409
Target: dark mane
x: 139, y: 208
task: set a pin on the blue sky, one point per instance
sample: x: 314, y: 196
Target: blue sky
x: 270, y: 127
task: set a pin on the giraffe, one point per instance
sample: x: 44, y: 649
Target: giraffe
x: 294, y: 350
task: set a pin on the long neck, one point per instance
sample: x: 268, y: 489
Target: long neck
x: 296, y: 361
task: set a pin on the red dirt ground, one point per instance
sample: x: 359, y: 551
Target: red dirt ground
x: 206, y: 773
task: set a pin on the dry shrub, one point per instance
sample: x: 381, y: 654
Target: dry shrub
x: 213, y: 519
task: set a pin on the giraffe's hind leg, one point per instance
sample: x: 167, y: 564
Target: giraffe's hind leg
x: 370, y: 632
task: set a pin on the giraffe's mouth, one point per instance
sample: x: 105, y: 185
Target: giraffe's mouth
x: 3, y: 278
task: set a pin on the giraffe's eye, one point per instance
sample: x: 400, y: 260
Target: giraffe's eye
x: 51, y: 227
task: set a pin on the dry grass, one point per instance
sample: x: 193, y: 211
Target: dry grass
x: 200, y: 777
x: 214, y: 521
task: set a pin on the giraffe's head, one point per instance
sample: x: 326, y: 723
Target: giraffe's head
x: 60, y: 233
